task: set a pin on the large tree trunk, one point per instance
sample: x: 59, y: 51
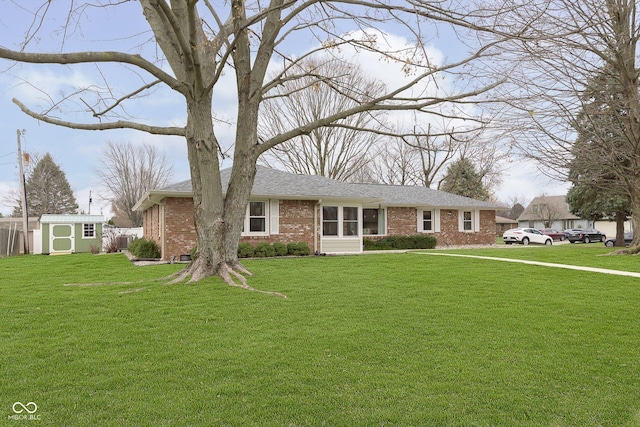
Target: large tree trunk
x: 218, y: 219
x: 621, y: 217
x: 635, y: 219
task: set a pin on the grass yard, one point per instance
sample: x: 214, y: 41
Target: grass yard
x: 373, y: 340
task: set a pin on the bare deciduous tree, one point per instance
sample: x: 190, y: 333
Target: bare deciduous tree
x: 340, y: 150
x: 550, y: 69
x: 197, y: 43
x: 129, y: 171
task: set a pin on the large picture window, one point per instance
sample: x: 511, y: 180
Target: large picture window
x: 373, y: 222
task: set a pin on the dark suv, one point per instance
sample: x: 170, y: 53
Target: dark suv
x: 585, y: 235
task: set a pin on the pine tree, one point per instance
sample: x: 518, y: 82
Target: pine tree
x: 48, y: 191
x: 463, y: 179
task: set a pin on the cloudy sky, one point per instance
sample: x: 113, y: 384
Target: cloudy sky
x: 77, y: 152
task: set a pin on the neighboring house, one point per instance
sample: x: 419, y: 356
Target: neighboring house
x: 60, y: 234
x: 503, y: 224
x: 330, y: 216
x: 609, y: 228
x: 550, y: 212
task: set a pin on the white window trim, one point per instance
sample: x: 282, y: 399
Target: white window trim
x: 271, y: 218
x: 341, y: 221
x: 95, y: 230
x: 435, y: 220
x: 475, y: 220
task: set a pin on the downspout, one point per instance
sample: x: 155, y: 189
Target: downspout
x: 316, y: 250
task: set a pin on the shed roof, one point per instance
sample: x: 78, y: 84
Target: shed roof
x: 71, y: 219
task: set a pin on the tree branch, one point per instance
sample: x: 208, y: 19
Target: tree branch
x: 120, y: 124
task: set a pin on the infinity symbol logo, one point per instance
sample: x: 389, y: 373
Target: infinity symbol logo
x: 30, y: 407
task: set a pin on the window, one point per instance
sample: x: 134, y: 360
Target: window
x: 329, y: 220
x: 257, y: 217
x: 340, y: 221
x: 467, y: 221
x: 262, y: 218
x: 88, y: 231
x: 349, y: 221
x: 427, y: 220
x: 373, y: 222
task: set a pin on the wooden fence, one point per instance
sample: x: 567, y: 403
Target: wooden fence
x: 9, y: 241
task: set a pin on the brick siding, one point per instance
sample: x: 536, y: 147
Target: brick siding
x: 403, y: 221
x: 296, y: 225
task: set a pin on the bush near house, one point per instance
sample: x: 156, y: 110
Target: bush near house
x: 143, y: 248
x: 265, y: 250
x: 401, y: 242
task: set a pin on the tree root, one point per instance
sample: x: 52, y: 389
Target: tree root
x: 633, y: 250
x: 232, y: 274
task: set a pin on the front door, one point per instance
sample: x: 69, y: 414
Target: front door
x: 62, y: 238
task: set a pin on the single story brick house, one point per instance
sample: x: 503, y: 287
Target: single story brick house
x: 330, y: 216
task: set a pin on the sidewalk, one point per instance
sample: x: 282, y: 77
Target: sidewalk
x: 544, y: 264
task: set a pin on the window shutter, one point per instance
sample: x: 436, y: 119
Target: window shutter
x: 476, y: 220
x: 460, y: 220
x: 436, y: 220
x: 274, y: 212
x: 420, y: 224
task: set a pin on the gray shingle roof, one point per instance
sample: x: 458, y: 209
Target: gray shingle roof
x: 274, y: 183
x: 405, y: 195
x: 555, y: 206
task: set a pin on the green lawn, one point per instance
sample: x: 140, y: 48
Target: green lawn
x: 372, y: 340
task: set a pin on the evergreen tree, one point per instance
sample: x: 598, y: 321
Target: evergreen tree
x: 463, y: 179
x: 48, y: 191
x: 601, y: 144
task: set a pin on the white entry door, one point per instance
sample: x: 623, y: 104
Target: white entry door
x: 62, y: 238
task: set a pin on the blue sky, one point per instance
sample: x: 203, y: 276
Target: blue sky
x: 77, y: 152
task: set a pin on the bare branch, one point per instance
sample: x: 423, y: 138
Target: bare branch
x: 120, y: 124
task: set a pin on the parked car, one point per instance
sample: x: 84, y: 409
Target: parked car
x: 554, y: 234
x: 585, y: 235
x: 526, y: 236
x: 611, y: 241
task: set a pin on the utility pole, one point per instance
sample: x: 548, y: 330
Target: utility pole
x: 23, y: 196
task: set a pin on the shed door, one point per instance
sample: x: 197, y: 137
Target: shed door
x: 62, y: 238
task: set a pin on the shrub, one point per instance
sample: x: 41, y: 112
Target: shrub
x: 264, y: 250
x: 143, y: 248
x: 110, y: 238
x: 419, y: 241
x: 280, y: 249
x: 298, y: 249
x: 245, y: 250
